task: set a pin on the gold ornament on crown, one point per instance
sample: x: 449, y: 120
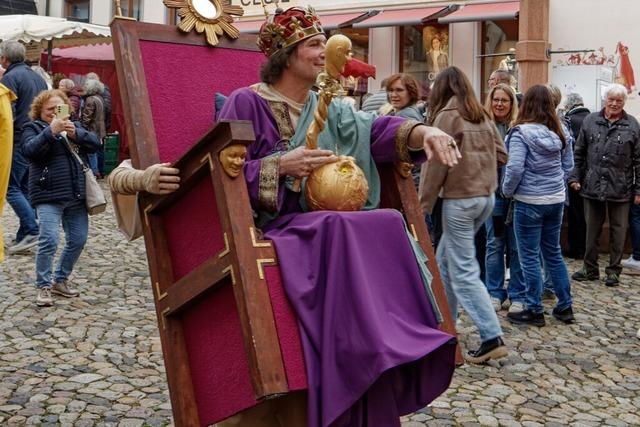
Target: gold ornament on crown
x: 341, y: 185
x: 192, y: 16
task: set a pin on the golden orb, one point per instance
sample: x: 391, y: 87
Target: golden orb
x: 337, y: 186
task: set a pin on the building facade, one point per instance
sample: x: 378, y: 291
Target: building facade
x: 421, y: 37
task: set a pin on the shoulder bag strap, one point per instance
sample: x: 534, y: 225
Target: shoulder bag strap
x: 74, y: 154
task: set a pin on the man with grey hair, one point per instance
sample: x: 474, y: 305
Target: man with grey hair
x: 26, y: 84
x: 607, y: 174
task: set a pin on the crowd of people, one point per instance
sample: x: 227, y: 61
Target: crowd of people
x: 44, y: 184
x: 494, y: 181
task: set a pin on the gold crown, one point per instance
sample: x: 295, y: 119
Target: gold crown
x: 286, y: 28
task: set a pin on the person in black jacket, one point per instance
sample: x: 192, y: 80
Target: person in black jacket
x: 26, y: 84
x: 607, y: 162
x: 57, y: 190
x: 575, y: 113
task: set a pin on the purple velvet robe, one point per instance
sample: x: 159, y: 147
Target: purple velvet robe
x: 371, y: 344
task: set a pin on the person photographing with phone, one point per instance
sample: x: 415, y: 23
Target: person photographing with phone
x: 57, y: 189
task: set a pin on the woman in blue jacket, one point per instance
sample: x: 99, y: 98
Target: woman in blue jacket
x: 56, y: 190
x: 540, y: 159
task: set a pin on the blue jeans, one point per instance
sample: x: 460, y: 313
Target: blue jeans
x: 17, y: 195
x: 75, y: 223
x: 456, y: 257
x: 496, y: 248
x: 93, y: 162
x: 634, y: 226
x: 537, y: 230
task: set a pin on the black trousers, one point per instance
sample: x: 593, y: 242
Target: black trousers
x: 594, y: 212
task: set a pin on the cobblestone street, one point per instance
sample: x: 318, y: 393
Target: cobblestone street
x: 96, y: 359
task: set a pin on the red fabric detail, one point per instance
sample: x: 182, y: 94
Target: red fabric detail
x: 356, y: 68
x: 218, y: 362
x: 288, y: 332
x: 198, y: 236
x: 76, y: 62
x: 182, y: 80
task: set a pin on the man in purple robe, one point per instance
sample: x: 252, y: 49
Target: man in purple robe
x: 356, y: 281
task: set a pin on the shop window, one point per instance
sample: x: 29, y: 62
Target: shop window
x: 77, y: 10
x: 131, y: 8
x: 360, y: 46
x: 424, y: 52
x: 498, y: 38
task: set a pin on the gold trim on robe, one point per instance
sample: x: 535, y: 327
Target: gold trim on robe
x: 268, y: 187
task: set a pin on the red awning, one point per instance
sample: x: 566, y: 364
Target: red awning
x: 329, y: 21
x: 483, y: 12
x: 249, y: 26
x: 391, y: 18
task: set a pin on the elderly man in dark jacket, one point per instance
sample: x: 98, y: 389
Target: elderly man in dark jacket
x: 607, y: 158
x: 26, y: 84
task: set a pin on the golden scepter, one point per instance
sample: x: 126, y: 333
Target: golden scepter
x: 340, y: 185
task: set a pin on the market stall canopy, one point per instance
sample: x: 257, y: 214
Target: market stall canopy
x: 61, y: 32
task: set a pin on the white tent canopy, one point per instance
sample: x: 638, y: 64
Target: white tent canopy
x: 61, y: 32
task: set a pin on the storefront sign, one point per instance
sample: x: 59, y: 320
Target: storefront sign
x: 254, y: 7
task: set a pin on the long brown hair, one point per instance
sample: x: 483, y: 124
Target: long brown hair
x: 452, y: 82
x: 538, y: 107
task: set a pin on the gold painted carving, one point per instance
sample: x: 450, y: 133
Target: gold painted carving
x: 212, y: 17
x: 413, y: 232
x: 146, y: 211
x: 404, y: 169
x: 209, y: 159
x: 232, y: 159
x: 260, y: 263
x: 229, y: 270
x: 227, y: 248
x: 254, y: 240
x: 160, y: 295
x: 164, y: 317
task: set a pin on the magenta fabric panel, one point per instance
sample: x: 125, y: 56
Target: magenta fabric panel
x: 198, y: 236
x: 288, y: 333
x: 182, y: 80
x: 218, y: 361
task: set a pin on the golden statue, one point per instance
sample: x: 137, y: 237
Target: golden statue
x: 232, y: 159
x: 341, y: 185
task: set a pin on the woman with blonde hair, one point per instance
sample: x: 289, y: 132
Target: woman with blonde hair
x: 56, y: 190
x: 467, y: 191
x: 502, y: 106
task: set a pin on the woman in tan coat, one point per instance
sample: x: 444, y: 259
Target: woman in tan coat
x: 467, y: 191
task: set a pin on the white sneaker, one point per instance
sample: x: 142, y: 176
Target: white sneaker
x: 516, y: 307
x: 631, y: 265
x: 496, y: 303
x: 27, y: 242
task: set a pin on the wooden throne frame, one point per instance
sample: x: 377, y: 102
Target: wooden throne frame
x: 225, y: 325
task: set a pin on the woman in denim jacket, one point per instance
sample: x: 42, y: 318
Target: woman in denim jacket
x: 540, y: 159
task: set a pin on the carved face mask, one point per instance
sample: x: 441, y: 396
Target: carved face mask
x: 232, y: 159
